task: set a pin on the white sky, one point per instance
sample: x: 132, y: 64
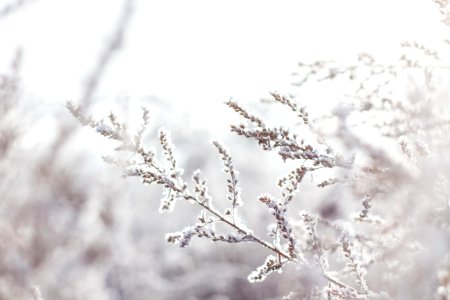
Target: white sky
x: 200, y: 53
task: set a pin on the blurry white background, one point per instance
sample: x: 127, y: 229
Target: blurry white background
x: 198, y: 54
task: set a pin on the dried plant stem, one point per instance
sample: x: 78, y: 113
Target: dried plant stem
x: 255, y: 238
x: 335, y: 281
x: 236, y: 227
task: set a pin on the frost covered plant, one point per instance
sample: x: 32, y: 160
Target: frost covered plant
x: 289, y: 244
x: 145, y: 165
x: 340, y: 246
